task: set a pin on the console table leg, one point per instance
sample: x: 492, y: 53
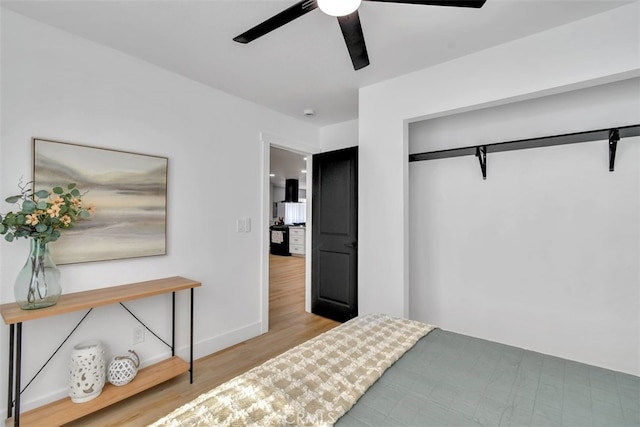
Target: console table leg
x: 18, y: 362
x: 191, y: 342
x: 10, y: 377
x: 173, y: 323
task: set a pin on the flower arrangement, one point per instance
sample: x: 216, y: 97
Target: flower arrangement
x: 42, y: 214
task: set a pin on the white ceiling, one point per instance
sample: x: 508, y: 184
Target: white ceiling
x: 304, y: 64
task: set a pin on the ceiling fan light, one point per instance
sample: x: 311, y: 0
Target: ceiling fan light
x: 338, y: 7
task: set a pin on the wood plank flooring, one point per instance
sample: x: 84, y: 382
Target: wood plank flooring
x: 289, y: 325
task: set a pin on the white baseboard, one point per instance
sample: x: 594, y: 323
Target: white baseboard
x: 211, y: 345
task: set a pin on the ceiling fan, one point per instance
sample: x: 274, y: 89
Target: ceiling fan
x: 347, y: 13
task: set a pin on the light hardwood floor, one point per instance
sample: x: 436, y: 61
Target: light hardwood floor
x: 289, y: 325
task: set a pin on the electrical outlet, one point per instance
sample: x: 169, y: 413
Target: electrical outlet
x: 138, y: 334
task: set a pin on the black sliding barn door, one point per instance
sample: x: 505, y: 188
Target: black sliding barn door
x: 334, y: 257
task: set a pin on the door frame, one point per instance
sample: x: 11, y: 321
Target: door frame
x: 268, y: 140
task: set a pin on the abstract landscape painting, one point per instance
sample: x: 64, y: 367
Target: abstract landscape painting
x: 127, y: 190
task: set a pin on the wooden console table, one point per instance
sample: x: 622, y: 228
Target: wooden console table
x: 64, y: 410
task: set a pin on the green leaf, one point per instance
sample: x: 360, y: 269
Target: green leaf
x: 71, y: 186
x: 75, y: 192
x: 9, y: 237
x: 84, y: 214
x: 41, y: 227
x: 20, y: 219
x: 2, y: 228
x: 58, y: 190
x: 42, y: 194
x: 28, y: 206
x: 21, y: 232
x: 42, y: 204
x: 13, y: 199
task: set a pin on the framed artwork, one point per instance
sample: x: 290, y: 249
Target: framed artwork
x: 128, y: 191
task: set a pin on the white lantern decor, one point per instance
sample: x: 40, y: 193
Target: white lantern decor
x: 86, y: 371
x: 123, y: 369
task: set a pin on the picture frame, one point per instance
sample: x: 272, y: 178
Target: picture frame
x: 127, y: 190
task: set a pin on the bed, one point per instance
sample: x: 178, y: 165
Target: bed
x: 380, y: 371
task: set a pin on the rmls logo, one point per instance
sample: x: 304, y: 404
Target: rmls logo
x: 308, y: 419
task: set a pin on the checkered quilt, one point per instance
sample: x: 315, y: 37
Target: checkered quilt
x: 314, y: 383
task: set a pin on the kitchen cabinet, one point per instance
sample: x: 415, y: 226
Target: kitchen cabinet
x: 297, y: 240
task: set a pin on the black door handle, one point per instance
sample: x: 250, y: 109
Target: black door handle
x: 353, y: 245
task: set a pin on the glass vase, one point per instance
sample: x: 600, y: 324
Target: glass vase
x: 38, y: 283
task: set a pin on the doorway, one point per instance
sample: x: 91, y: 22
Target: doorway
x: 287, y: 233
x: 292, y: 260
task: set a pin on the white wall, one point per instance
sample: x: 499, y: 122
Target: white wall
x: 545, y: 251
x: 57, y: 86
x: 339, y: 135
x: 598, y: 107
x: 554, y: 61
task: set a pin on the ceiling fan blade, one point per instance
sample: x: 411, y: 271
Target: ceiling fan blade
x: 277, y: 21
x: 456, y: 3
x: 353, y: 37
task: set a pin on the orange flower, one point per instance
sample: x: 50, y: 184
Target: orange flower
x: 56, y: 200
x: 66, y: 220
x: 32, y: 220
x: 54, y: 211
